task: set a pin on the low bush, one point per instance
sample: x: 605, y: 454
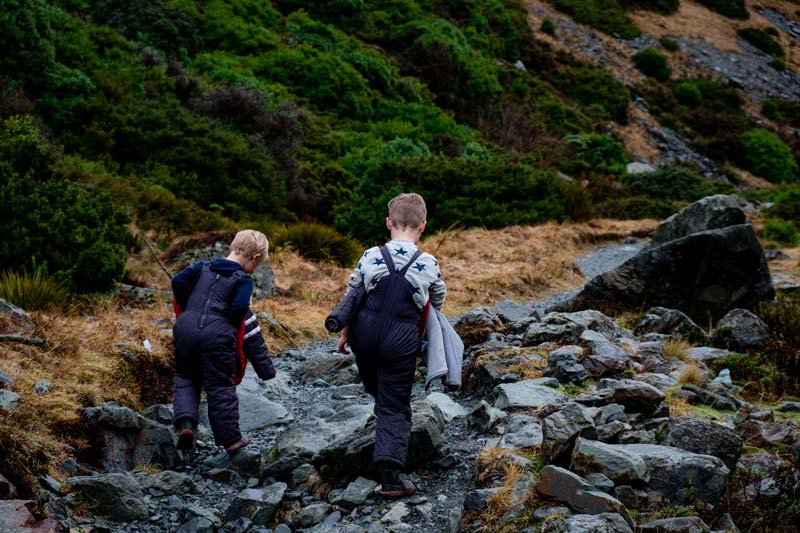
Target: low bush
x: 605, y: 15
x: 782, y: 111
x: 755, y: 505
x: 782, y: 232
x: 637, y: 208
x: 665, y: 7
x: 652, y: 63
x: 669, y: 44
x: 675, y: 183
x: 319, y: 243
x: 596, y: 88
x: 778, y: 64
x: 734, y: 9
x: 548, y: 27
x: 594, y: 154
x: 767, y: 156
x: 33, y: 292
x: 761, y: 40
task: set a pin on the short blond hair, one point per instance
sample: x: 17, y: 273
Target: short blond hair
x: 407, y: 209
x: 249, y: 243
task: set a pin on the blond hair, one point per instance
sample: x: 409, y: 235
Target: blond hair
x: 407, y: 209
x: 249, y: 243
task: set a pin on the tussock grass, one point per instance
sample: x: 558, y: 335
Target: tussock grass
x: 678, y: 406
x: 677, y: 348
x: 691, y: 374
x: 33, y: 292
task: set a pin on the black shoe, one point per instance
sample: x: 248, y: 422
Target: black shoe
x: 185, y: 430
x: 394, y: 487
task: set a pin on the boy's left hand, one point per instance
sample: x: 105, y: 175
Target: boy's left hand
x: 341, y: 347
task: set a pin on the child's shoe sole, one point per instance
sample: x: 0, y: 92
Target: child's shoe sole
x: 233, y: 448
x: 391, y: 494
x: 185, y: 440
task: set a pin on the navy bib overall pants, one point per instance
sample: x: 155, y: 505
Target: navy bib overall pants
x: 385, y: 338
x: 205, y: 356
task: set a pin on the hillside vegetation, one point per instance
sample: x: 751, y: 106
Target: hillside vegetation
x: 177, y: 117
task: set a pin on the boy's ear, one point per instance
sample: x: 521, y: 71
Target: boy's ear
x: 423, y: 225
x: 388, y: 223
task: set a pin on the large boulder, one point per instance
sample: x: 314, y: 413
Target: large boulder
x: 700, y: 435
x: 618, y: 465
x: 116, y: 496
x: 258, y: 504
x: 580, y: 495
x: 711, y: 212
x: 703, y: 274
x: 680, y: 477
x: 637, y: 396
x: 351, y: 456
x: 740, y: 329
x: 561, y: 429
x: 527, y: 394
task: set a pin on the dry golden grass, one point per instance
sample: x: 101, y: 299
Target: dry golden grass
x: 691, y: 374
x: 529, y: 369
x: 677, y: 348
x: 678, y: 406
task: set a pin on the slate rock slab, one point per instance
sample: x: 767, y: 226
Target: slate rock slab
x: 620, y: 466
x: 117, y: 496
x: 526, y: 394
x: 580, y: 495
x: 258, y: 504
x: 700, y: 435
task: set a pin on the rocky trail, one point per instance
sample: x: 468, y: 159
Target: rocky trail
x: 567, y: 421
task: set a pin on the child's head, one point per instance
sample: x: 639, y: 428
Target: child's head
x: 250, y: 247
x: 407, y: 213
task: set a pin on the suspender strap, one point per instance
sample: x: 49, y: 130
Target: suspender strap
x: 410, y: 262
x: 387, y: 258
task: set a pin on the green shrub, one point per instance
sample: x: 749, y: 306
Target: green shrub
x: 761, y: 40
x: 605, y: 15
x: 78, y: 236
x: 778, y: 64
x: 772, y: 31
x: 768, y: 156
x: 665, y: 7
x: 318, y: 243
x: 675, y: 183
x: 33, y: 292
x: 782, y: 111
x: 463, y: 192
x: 637, y: 208
x: 548, y: 27
x: 594, y: 154
x: 669, y: 44
x: 783, y: 232
x: 652, y: 63
x: 730, y: 8
x: 596, y: 88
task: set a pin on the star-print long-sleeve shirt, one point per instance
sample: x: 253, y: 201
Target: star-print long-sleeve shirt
x: 423, y: 275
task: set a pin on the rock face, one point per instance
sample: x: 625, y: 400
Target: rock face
x: 116, y: 496
x: 679, y: 476
x: 352, y: 455
x: 703, y: 274
x: 712, y: 212
x: 571, y: 489
x: 705, y: 437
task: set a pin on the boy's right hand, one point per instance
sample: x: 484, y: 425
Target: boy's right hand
x: 341, y: 347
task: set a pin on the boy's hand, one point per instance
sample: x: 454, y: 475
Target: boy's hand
x: 341, y: 347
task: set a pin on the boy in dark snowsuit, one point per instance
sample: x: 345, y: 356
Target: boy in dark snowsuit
x: 385, y: 335
x: 213, y: 299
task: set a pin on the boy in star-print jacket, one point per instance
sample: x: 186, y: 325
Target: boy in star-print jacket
x: 401, y: 282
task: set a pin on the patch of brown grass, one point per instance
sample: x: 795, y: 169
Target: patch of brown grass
x: 676, y: 348
x: 678, y: 406
x: 529, y: 369
x: 691, y: 374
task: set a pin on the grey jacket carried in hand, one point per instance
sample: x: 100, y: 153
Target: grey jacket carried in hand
x: 445, y: 350
x: 344, y: 312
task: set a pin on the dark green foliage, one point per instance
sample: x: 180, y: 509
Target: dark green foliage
x: 754, y: 505
x: 462, y: 192
x: 778, y: 64
x: 675, y: 183
x: 153, y: 23
x: 593, y: 86
x: 761, y: 40
x: 652, y: 63
x: 33, y: 292
x: 782, y: 232
x: 318, y: 243
x: 548, y: 27
x: 734, y: 9
x: 594, y: 154
x: 669, y: 44
x: 77, y: 236
x: 665, y: 7
x: 782, y: 111
x: 637, y: 207
x: 768, y: 157
x: 605, y: 15
x: 772, y: 31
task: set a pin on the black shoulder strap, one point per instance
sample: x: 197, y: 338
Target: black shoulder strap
x: 387, y: 258
x: 410, y: 261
